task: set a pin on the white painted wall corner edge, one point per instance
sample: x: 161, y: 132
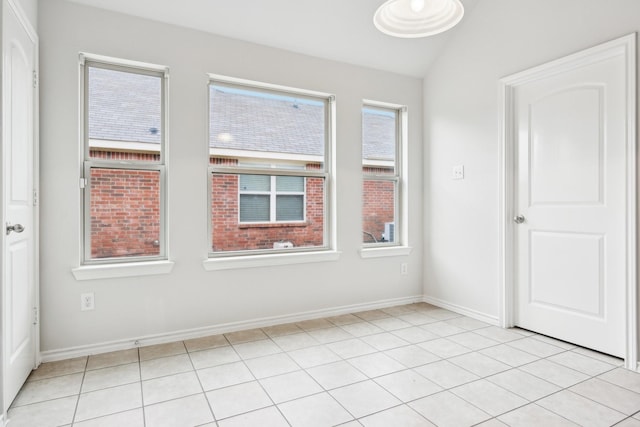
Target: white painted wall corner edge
x: 483, y: 317
x: 92, y: 349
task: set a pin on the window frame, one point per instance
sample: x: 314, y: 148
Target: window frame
x: 88, y: 61
x: 398, y: 177
x: 281, y: 168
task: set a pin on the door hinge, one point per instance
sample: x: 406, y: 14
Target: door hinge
x: 35, y: 197
x: 35, y: 79
x: 35, y: 315
x: 83, y: 182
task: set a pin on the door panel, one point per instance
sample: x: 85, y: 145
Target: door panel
x: 556, y: 278
x: 19, y: 326
x: 566, y: 154
x: 19, y: 276
x: 570, y: 260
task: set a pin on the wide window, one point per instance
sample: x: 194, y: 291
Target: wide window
x: 268, y: 168
x: 381, y: 154
x: 124, y: 167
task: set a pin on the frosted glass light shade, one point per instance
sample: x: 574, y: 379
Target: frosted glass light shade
x: 417, y: 18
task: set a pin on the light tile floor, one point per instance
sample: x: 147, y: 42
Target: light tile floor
x: 411, y: 365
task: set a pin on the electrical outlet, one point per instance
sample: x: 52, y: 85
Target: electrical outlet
x: 457, y: 172
x: 87, y: 302
x: 404, y: 268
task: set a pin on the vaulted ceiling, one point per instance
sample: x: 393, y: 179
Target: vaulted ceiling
x: 340, y: 30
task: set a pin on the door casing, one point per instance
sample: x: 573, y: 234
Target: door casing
x: 624, y: 45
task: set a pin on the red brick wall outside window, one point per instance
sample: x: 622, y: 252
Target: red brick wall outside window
x: 378, y: 208
x: 230, y: 235
x: 125, y: 212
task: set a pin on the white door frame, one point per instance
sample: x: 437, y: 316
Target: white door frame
x: 622, y: 46
x: 31, y: 32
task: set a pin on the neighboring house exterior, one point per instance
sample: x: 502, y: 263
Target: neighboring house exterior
x: 124, y: 116
x: 124, y: 125
x: 246, y: 129
x: 378, y: 155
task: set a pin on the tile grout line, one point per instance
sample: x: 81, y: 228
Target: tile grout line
x: 543, y: 397
x: 302, y: 369
x: 204, y: 393
x: 144, y: 413
x: 397, y: 315
x: 84, y: 373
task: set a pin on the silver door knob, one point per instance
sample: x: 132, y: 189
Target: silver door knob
x: 17, y: 228
x: 518, y: 219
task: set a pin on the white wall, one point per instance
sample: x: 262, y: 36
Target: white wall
x: 189, y: 297
x: 500, y: 37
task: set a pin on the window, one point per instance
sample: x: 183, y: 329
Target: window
x: 381, y: 152
x: 268, y: 168
x: 266, y: 198
x: 124, y: 176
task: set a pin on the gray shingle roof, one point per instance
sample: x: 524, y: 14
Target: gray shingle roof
x: 379, y: 135
x: 263, y: 123
x: 127, y: 107
x: 124, y: 106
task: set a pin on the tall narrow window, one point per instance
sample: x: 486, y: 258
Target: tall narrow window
x: 381, y: 154
x: 124, y: 161
x: 268, y: 171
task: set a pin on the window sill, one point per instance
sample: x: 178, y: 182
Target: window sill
x: 268, y: 260
x: 385, y: 251
x: 273, y: 225
x: 133, y: 269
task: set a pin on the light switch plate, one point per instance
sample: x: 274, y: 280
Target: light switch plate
x: 457, y: 172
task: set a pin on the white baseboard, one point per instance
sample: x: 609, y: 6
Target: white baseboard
x: 87, y: 350
x: 492, y: 320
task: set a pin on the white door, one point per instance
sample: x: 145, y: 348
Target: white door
x: 19, y: 233
x: 570, y: 130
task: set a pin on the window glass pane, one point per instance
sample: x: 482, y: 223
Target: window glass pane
x: 378, y: 222
x: 255, y: 183
x: 379, y: 136
x: 289, y: 184
x: 124, y: 115
x: 124, y: 213
x: 276, y: 126
x: 254, y: 208
x: 289, y: 208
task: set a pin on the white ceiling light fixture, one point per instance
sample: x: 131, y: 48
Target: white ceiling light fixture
x: 417, y: 18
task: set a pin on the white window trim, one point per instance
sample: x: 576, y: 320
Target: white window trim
x: 385, y: 251
x: 402, y: 246
x: 97, y: 268
x: 130, y: 269
x: 269, y: 260
x: 257, y: 258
